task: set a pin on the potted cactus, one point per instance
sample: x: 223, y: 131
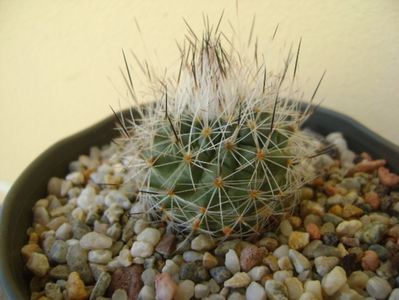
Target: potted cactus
x: 211, y: 191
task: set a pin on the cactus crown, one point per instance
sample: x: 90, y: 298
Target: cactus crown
x: 221, y: 151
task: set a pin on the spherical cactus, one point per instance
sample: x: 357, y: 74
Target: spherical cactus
x: 221, y: 152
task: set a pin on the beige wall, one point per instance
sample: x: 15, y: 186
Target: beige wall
x: 59, y: 59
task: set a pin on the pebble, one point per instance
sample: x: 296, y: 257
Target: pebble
x: 256, y: 273
x: 325, y: 264
x: 117, y: 198
x: 77, y: 262
x: 148, y: 277
x: 58, y: 252
x: 128, y: 279
x: 170, y: 267
x: 314, y: 287
x: 125, y: 258
x: 370, y: 261
x: 307, y: 296
x: 249, y: 257
x: 192, y: 256
x: 314, y: 231
x: 59, y: 272
x: 282, y: 275
x: 255, y: 292
x: 38, y: 264
x: 100, y: 256
x: 165, y: 287
x: 223, y: 247
x: 285, y: 228
x: 358, y: 280
x: 122, y: 295
x: 220, y: 274
x: 294, y: 287
x: 101, y: 286
x: 86, y: 198
x: 75, y: 288
x: 235, y: 296
x: 394, y: 295
x: 194, y: 272
x: 284, y: 263
x: 64, y: 232
x: 142, y: 249
x: 167, y: 245
x: 333, y: 280
x: 373, y: 233
x: 298, y: 240
x: 276, y: 290
x: 281, y: 251
x: 146, y: 293
x: 185, y: 290
x: 113, y: 213
x: 239, y: 280
x: 94, y: 240
x: 150, y: 235
x: 213, y: 286
x: 53, y: 291
x: 301, y: 263
x: 79, y: 229
x: 202, y: 242
x: 209, y: 261
x: 201, y: 291
x: 378, y: 287
x: 348, y: 228
x: 232, y: 261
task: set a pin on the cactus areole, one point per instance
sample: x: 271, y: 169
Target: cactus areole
x: 220, y: 152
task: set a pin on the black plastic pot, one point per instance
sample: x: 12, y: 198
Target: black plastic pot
x: 16, y: 215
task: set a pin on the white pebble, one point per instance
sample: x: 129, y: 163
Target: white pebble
x: 113, y: 213
x: 150, y: 235
x: 201, y: 291
x: 192, y: 256
x: 148, y: 277
x: 378, y: 287
x: 118, y: 199
x: 185, y: 290
x: 281, y: 251
x: 213, y: 286
x: 234, y: 296
x: 334, y: 280
x: 294, y: 287
x: 142, y: 249
x: 94, y: 240
x: 240, y: 279
x: 307, y: 296
x: 314, y: 287
x: 301, y: 263
x: 394, y: 295
x: 100, y: 256
x: 282, y: 275
x: 87, y: 197
x: 76, y: 178
x: 255, y: 292
x: 348, y: 228
x: 170, y: 267
x: 64, y: 232
x: 256, y: 273
x: 146, y: 293
x: 202, y: 242
x: 139, y: 226
x: 125, y: 258
x: 120, y: 294
x: 38, y: 264
x: 232, y: 261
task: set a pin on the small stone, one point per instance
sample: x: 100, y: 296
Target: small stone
x: 185, y: 290
x: 58, y: 252
x: 86, y: 198
x: 370, y: 261
x: 142, y: 249
x: 351, y: 211
x: 351, y: 184
x: 330, y: 239
x: 150, y: 235
x: 213, y: 286
x: 232, y: 262
x: 256, y: 273
x: 223, y: 247
x: 29, y: 249
x: 271, y: 262
x: 201, y: 291
x: 125, y: 258
x: 64, y: 232
x: 378, y: 287
x: 75, y: 288
x: 77, y: 262
x: 167, y: 245
x: 394, y: 295
x: 250, y: 256
x: 348, y: 228
x: 314, y: 287
x: 281, y: 251
x: 220, y: 274
x: 387, y: 178
x: 301, y: 263
x: 255, y: 292
x: 59, y: 272
x: 269, y: 243
x: 101, y: 286
x: 298, y: 240
x: 334, y: 280
x: 53, y: 291
x: 118, y: 199
x: 97, y: 270
x: 373, y: 199
x: 171, y: 267
x: 192, y: 256
x: 54, y: 186
x: 94, y: 240
x: 148, y: 277
x: 122, y: 295
x: 128, y: 279
x: 282, y: 275
x: 113, y: 213
x: 313, y: 230
x: 331, y: 218
x: 381, y: 251
x: 100, y: 256
x: 209, y: 261
x: 114, y: 231
x: 165, y: 287
x: 275, y: 290
x: 358, y: 280
x: 79, y: 229
x: 285, y: 227
x: 38, y: 264
x: 240, y: 279
x: 307, y: 296
x: 194, y: 272
x: 202, y: 242
x: 324, y: 250
x: 373, y: 233
x: 284, y: 263
x: 233, y: 295
x: 140, y: 225
x: 146, y: 293
x: 294, y: 288
x: 325, y: 264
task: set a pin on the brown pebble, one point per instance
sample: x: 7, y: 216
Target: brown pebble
x: 314, y: 231
x: 295, y: 221
x: 75, y: 287
x: 167, y: 245
x: 351, y: 211
x: 128, y: 279
x: 336, y: 210
x: 250, y: 256
x: 373, y: 199
x: 165, y: 287
x: 367, y: 166
x: 387, y: 178
x: 266, y: 278
x: 370, y: 261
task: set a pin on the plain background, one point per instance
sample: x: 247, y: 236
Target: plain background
x: 60, y: 60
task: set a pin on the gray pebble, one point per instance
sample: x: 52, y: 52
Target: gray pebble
x: 59, y: 272
x: 58, y: 252
x: 378, y: 287
x: 148, y: 277
x: 373, y: 233
x: 276, y: 290
x: 79, y: 229
x: 101, y: 286
x: 119, y: 294
x: 194, y: 272
x: 53, y: 291
x: 77, y: 262
x: 220, y: 274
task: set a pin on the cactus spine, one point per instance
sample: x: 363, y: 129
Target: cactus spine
x: 221, y: 152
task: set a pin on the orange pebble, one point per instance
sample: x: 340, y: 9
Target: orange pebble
x: 373, y: 199
x: 336, y: 210
x: 266, y: 278
x: 314, y: 231
x: 370, y: 261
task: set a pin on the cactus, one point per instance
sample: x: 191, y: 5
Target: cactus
x: 220, y: 152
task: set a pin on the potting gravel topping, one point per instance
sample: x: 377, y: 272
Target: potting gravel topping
x: 214, y: 192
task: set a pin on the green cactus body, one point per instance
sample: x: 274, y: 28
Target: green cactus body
x: 223, y: 154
